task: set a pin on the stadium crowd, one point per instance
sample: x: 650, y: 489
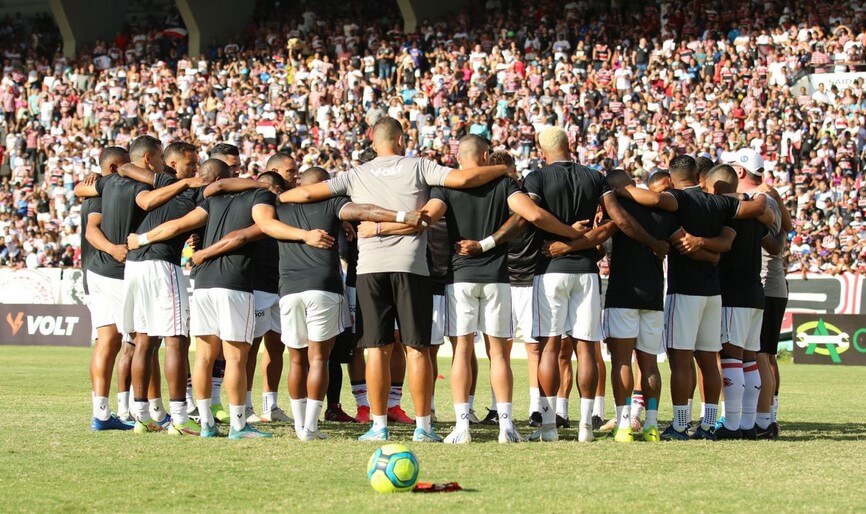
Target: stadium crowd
x: 632, y: 90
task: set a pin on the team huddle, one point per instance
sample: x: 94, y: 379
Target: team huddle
x: 432, y: 253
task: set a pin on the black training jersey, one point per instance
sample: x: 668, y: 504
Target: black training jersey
x: 474, y: 214
x: 120, y: 217
x: 302, y: 267
x: 702, y: 215
x: 177, y: 207
x: 88, y: 206
x: 740, y: 268
x: 522, y: 256
x: 636, y: 275
x: 266, y: 260
x: 349, y: 251
x: 227, y: 213
x: 571, y: 193
x: 438, y: 255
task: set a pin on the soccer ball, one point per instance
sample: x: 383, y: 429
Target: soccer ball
x: 392, y: 468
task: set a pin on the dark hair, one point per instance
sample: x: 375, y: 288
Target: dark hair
x: 617, y: 178
x: 180, y: 148
x: 110, y: 153
x: 143, y: 145
x: 273, y: 178
x: 703, y: 164
x: 224, y: 149
x: 657, y: 176
x: 277, y: 159
x: 683, y: 166
x: 501, y: 157
x: 367, y: 155
x: 315, y: 172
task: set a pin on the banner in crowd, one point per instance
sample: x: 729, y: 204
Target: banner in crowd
x: 44, y: 325
x: 842, y: 81
x: 830, y: 339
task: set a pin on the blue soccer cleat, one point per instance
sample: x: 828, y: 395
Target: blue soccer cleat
x: 383, y: 434
x: 209, y: 430
x: 672, y: 434
x: 248, y: 432
x: 165, y: 423
x: 112, y: 423
x: 706, y: 435
x: 423, y: 436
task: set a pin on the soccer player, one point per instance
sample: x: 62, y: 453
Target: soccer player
x: 393, y: 279
x: 478, y: 296
x: 567, y: 289
x: 108, y: 342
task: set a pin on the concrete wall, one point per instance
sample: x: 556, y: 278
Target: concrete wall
x: 208, y: 19
x: 415, y: 11
x: 83, y: 21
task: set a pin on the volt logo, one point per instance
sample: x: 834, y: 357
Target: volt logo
x: 51, y: 325
x: 15, y: 324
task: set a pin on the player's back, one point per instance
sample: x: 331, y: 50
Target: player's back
x: 175, y: 208
x: 121, y: 216
x: 740, y: 268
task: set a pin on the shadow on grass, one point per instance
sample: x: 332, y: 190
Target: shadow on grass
x: 807, y: 431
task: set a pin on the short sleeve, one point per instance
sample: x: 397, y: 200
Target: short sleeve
x: 140, y: 188
x: 341, y: 185
x: 94, y: 205
x: 533, y: 184
x: 605, y: 188
x: 163, y: 179
x: 434, y: 174
x: 729, y: 207
x: 204, y: 205
x: 263, y: 196
x: 511, y: 187
x: 673, y: 224
x: 439, y: 193
x: 337, y: 204
x: 100, y: 184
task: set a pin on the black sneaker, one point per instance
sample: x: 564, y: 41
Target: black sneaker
x: 597, y: 422
x: 723, y: 433
x: 492, y: 418
x: 701, y: 434
x: 750, y: 434
x: 765, y: 433
x: 535, y: 420
x: 562, y: 422
x: 672, y: 434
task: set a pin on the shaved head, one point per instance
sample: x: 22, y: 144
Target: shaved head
x: 313, y: 175
x: 683, y: 168
x: 472, y: 150
x: 214, y: 169
x: 722, y: 179
x: 387, y: 130
x: 618, y: 178
x: 111, y: 158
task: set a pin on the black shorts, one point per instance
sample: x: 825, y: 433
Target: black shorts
x: 344, y: 347
x: 774, y: 313
x: 383, y: 298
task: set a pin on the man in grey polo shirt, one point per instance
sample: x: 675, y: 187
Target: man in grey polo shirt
x: 393, y: 280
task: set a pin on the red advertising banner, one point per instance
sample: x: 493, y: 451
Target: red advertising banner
x: 44, y: 325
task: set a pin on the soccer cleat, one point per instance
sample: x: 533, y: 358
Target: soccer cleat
x: 584, y: 435
x: 363, y: 415
x: 423, y: 436
x: 672, y: 434
x: 651, y: 435
x: 209, y: 431
x: 188, y: 428
x: 143, y: 428
x: 636, y: 425
x: 535, y: 420
x: 308, y: 435
x: 335, y: 413
x: 701, y: 434
x: 166, y: 422
x: 725, y: 434
x: 112, y: 423
x: 248, y: 432
x: 623, y: 435
x: 194, y: 415
x: 610, y: 426
x: 219, y: 413
x: 562, y: 422
x: 458, y: 436
x: 547, y: 435
x: 376, y: 435
x: 597, y: 422
x: 492, y: 418
x: 765, y: 433
x: 251, y: 415
x: 275, y: 415
x: 750, y: 434
x: 473, y: 419
x: 719, y: 423
x: 126, y: 417
x: 510, y: 436
x: 396, y: 414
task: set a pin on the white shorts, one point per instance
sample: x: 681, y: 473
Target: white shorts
x: 693, y: 323
x: 105, y: 300
x: 741, y: 327
x: 473, y: 307
x: 155, y: 299
x: 644, y: 325
x: 267, y: 313
x: 352, y: 306
x: 437, y: 336
x: 311, y: 316
x: 521, y: 313
x: 225, y: 313
x: 567, y: 304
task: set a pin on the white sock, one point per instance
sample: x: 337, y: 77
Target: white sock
x: 722, y: 408
x: 395, y: 395
x: 492, y: 399
x: 205, y: 412
x: 123, y: 402
x: 598, y: 407
x: 471, y: 402
x: 681, y: 418
x: 215, y: 390
x: 269, y: 401
x: 311, y: 415
x: 179, y: 415
x: 775, y: 410
x: 587, y: 409
x: 562, y: 407
x: 637, y: 405
x: 711, y: 413
x: 424, y: 423
x: 100, y: 408
x: 763, y: 420
x: 652, y: 418
x: 238, y: 418
x: 625, y: 416
x: 299, y: 410
x: 249, y: 404
x: 190, y: 399
x: 548, y: 411
x: 461, y: 413
x: 732, y: 373
x: 142, y: 412
x: 380, y: 422
x: 534, y: 402
x: 691, y: 408
x: 359, y: 391
x: 750, y: 396
x: 505, y: 421
x: 157, y: 409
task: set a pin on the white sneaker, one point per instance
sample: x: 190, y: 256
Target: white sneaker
x: 585, y: 434
x: 547, y: 435
x: 458, y: 436
x: 473, y: 419
x: 251, y: 415
x: 275, y: 415
x: 510, y: 436
x: 306, y: 435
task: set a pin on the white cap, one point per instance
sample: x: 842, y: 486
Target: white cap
x: 749, y: 159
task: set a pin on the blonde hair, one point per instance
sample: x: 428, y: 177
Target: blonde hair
x: 553, y: 139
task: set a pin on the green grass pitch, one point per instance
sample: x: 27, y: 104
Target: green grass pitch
x: 51, y: 461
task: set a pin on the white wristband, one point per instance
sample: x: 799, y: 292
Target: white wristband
x: 143, y: 240
x: 487, y: 244
x: 401, y: 216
